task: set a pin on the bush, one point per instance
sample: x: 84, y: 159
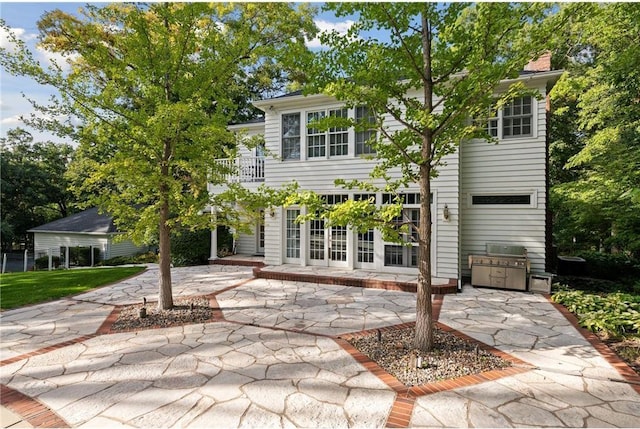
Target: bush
x: 42, y: 263
x: 141, y: 258
x: 592, y: 285
x: 614, y: 314
x: 190, y: 247
x: 610, y: 266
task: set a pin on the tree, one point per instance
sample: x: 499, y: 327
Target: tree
x: 33, y: 187
x: 153, y: 88
x: 597, y: 196
x: 439, y: 67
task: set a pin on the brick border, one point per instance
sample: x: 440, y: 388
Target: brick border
x: 29, y: 409
x: 402, y: 408
x: 237, y: 262
x: 609, y: 355
x: 258, y: 272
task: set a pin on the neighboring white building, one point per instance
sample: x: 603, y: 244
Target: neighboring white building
x: 491, y: 193
x: 85, y: 229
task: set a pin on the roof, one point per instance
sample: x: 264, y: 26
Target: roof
x: 522, y: 73
x: 259, y: 120
x: 88, y: 221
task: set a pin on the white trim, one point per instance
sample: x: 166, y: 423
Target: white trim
x: 533, y: 202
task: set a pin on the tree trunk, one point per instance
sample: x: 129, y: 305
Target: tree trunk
x: 424, y: 323
x: 165, y: 294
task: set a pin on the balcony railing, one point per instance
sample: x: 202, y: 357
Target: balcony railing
x: 245, y: 169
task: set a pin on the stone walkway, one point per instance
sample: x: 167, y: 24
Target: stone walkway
x: 274, y: 361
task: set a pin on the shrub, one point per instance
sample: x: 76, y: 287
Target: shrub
x: 190, y: 247
x: 42, y: 263
x: 614, y: 315
x: 140, y: 258
x: 610, y: 266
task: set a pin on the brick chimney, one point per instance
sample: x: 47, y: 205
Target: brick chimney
x: 541, y: 64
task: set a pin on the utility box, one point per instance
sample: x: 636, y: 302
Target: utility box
x: 540, y: 283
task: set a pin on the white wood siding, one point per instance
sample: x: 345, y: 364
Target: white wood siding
x: 124, y: 248
x: 319, y: 174
x: 43, y: 241
x: 513, y: 166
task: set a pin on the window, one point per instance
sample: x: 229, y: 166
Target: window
x: 336, y: 137
x: 293, y: 234
x: 291, y: 136
x: 316, y: 146
x: 316, y: 239
x: 364, y: 116
x: 516, y: 118
x: 404, y: 255
x: 486, y: 200
x: 365, y: 247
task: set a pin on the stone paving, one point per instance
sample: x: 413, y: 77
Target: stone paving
x: 273, y: 363
x: 30, y: 328
x: 572, y: 385
x: 320, y: 309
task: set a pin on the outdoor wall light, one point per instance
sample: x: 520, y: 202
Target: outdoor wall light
x: 272, y: 212
x: 445, y: 212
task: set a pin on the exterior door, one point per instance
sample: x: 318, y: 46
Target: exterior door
x: 327, y: 246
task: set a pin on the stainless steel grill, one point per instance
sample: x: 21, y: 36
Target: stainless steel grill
x: 504, y: 266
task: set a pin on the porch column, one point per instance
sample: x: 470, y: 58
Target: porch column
x: 66, y: 257
x: 213, y: 255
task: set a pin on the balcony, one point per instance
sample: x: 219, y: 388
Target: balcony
x: 244, y: 169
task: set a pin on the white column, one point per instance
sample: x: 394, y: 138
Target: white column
x: 26, y: 259
x: 66, y: 257
x: 213, y: 255
x: 50, y: 258
x: 91, y: 250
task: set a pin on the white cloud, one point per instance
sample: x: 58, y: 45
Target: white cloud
x: 11, y: 121
x: 20, y: 33
x: 326, y: 26
x: 49, y: 57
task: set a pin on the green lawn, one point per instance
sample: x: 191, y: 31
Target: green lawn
x: 18, y: 289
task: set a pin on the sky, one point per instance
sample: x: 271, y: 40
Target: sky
x: 22, y: 18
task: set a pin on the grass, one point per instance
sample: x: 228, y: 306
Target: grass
x: 18, y: 289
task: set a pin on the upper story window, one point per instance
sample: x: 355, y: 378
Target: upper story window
x: 517, y: 117
x: 515, y: 120
x: 335, y: 141
x: 364, y: 115
x: 291, y: 136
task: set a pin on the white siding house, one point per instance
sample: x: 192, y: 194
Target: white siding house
x: 84, y: 229
x: 492, y: 192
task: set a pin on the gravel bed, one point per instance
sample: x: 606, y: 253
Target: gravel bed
x: 184, y: 311
x: 451, y: 357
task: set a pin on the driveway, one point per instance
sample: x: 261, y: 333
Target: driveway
x: 275, y: 361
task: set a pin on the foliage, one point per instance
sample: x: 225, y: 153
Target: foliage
x: 440, y: 66
x: 615, y: 314
x: 153, y: 87
x: 592, y: 285
x: 33, y: 188
x: 190, y: 247
x: 142, y: 258
x: 610, y: 266
x: 42, y: 263
x: 18, y: 289
x: 596, y: 133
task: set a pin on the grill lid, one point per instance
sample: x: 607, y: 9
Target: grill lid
x: 506, y: 249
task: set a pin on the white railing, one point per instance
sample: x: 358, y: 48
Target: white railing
x: 244, y: 169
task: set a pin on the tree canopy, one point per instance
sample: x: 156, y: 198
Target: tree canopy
x: 438, y: 68
x: 595, y: 145
x: 33, y: 187
x: 151, y: 89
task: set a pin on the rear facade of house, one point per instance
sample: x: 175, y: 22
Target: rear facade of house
x: 485, y: 192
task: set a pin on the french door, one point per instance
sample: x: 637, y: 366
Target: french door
x: 327, y: 246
